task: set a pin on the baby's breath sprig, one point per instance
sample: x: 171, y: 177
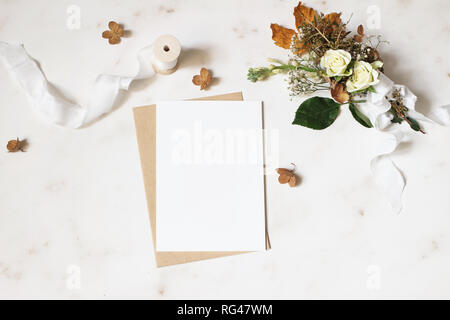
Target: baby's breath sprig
x: 301, y: 82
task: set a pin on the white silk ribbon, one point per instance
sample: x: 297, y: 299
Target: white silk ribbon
x: 55, y: 108
x: 377, y: 109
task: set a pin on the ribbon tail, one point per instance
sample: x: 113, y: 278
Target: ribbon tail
x: 42, y: 95
x: 441, y: 115
x: 386, y: 174
x: 51, y: 105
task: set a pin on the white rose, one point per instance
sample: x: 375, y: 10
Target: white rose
x: 335, y: 62
x: 364, y: 76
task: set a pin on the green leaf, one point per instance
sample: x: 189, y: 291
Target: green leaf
x: 317, y: 113
x: 396, y: 119
x: 372, y: 89
x: 359, y: 116
x: 338, y: 78
x: 414, y: 124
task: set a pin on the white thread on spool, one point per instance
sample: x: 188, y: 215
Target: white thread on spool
x: 165, y: 52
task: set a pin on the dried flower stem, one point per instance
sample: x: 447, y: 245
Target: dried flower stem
x: 317, y: 29
x: 298, y: 67
x: 399, y: 109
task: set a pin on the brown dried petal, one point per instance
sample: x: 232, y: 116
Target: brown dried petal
x: 114, y: 34
x: 107, y: 34
x: 203, y: 80
x: 196, y: 80
x: 14, y: 145
x: 119, y: 31
x: 114, y: 39
x: 205, y: 74
x: 361, y: 30
x: 113, y: 26
x: 292, y: 181
x: 283, y: 171
x: 287, y: 176
x: 284, y: 178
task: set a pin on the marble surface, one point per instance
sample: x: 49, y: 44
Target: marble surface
x: 73, y: 217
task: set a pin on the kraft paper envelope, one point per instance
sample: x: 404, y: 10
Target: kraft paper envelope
x: 145, y: 121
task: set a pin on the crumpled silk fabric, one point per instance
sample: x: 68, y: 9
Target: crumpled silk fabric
x: 55, y: 108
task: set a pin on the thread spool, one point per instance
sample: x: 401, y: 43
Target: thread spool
x: 165, y: 52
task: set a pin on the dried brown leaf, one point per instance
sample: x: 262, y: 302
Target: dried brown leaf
x: 304, y: 14
x: 333, y: 18
x: 301, y: 47
x: 333, y: 21
x: 282, y: 36
x: 203, y: 79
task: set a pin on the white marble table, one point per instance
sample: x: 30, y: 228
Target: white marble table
x: 73, y: 217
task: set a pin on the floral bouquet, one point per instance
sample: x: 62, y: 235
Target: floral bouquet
x: 326, y: 56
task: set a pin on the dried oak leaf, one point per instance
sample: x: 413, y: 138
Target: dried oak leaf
x: 301, y: 48
x: 287, y: 176
x: 114, y: 33
x: 333, y: 20
x: 360, y: 36
x: 285, y: 37
x: 282, y: 36
x: 203, y: 80
x: 15, y: 145
x: 339, y: 93
x: 304, y: 14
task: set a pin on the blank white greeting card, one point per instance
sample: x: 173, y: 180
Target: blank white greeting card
x: 209, y: 176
